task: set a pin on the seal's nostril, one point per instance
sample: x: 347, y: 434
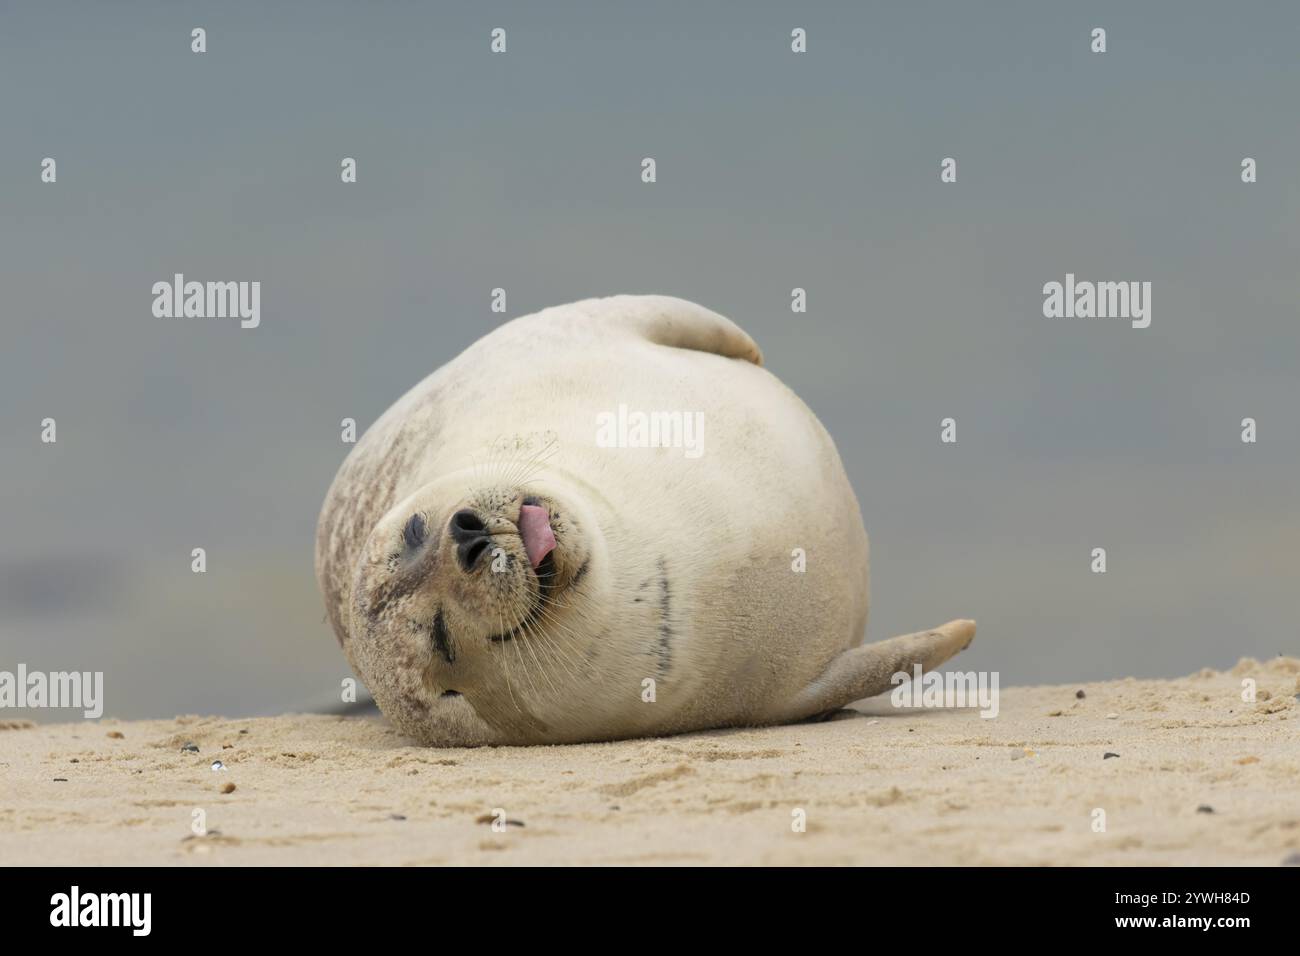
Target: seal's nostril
x: 466, y: 525
x: 471, y: 537
x: 470, y: 552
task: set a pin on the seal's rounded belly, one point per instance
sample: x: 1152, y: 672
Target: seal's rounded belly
x: 603, y: 520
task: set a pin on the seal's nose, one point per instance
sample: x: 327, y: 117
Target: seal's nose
x: 471, y: 537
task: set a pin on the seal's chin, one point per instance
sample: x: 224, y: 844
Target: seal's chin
x: 546, y: 584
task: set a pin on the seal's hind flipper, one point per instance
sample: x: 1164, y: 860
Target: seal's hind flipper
x: 868, y: 670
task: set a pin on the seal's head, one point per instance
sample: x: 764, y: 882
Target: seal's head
x: 452, y: 582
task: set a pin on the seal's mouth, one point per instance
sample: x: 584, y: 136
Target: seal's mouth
x: 539, y: 544
x: 535, y: 528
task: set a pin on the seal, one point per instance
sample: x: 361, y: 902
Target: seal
x: 604, y: 520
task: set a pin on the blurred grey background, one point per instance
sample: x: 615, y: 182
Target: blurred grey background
x: 776, y: 170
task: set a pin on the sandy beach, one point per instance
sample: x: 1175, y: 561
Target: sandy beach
x: 1199, y: 777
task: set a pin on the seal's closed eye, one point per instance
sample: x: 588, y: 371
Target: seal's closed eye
x: 413, y: 533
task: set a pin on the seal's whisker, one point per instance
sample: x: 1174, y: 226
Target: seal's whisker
x: 557, y: 637
x: 558, y: 633
x: 560, y: 640
x: 506, y: 668
x: 568, y: 640
x: 548, y: 645
x: 530, y: 636
x: 546, y: 652
x: 528, y: 673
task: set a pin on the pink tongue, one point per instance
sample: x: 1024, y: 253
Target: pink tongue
x: 535, y: 529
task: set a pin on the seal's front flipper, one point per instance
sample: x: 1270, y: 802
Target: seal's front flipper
x: 676, y: 323
x: 868, y: 670
x: 452, y: 722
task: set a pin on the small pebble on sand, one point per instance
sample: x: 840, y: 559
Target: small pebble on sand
x: 396, y: 816
x: 1108, y: 754
x: 1080, y: 694
x: 1205, y: 808
x: 116, y: 734
x: 190, y: 747
x: 217, y: 765
x: 228, y: 788
x: 490, y: 818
